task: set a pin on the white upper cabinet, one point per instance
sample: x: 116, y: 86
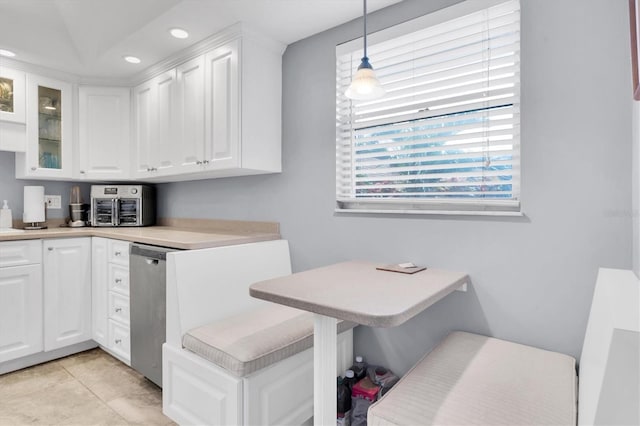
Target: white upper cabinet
x: 49, y: 130
x: 104, y: 116
x: 155, y: 145
x: 190, y: 115
x: 227, y: 115
x: 12, y: 110
x: 222, y: 123
x: 213, y: 110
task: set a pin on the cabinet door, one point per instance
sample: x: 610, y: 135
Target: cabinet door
x: 104, y: 132
x: 67, y: 292
x: 190, y: 115
x: 222, y: 113
x: 144, y: 121
x: 99, y: 290
x: 155, y: 114
x: 49, y: 130
x: 163, y: 151
x: 20, y: 311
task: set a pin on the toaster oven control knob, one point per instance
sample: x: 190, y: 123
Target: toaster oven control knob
x: 134, y: 190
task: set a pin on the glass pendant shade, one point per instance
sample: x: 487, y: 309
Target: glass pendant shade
x: 365, y: 85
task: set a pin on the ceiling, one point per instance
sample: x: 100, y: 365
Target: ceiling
x: 90, y: 37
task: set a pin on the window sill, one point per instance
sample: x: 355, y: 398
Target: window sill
x: 432, y: 212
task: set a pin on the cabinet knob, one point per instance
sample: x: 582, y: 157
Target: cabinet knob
x: 117, y: 253
x: 34, y: 168
x: 118, y: 309
x: 198, y: 162
x: 118, y: 280
x: 205, y: 162
x: 118, y: 341
x: 50, y: 248
x: 82, y: 172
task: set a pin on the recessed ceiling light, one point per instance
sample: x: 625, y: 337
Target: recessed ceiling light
x: 132, y: 59
x: 8, y: 53
x: 179, y: 33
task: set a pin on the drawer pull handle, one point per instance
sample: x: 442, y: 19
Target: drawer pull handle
x: 118, y: 341
x: 118, y: 309
x: 118, y: 280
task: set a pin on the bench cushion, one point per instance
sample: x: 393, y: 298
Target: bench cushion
x: 470, y: 379
x: 249, y: 342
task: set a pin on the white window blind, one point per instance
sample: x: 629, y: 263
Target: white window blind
x: 445, y: 137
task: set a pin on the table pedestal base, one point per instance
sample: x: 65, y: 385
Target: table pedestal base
x: 324, y: 370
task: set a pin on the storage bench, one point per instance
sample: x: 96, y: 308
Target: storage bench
x: 231, y: 359
x: 470, y: 379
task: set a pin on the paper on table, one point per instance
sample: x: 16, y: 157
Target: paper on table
x: 398, y: 268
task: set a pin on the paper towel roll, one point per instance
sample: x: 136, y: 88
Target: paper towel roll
x: 33, y: 204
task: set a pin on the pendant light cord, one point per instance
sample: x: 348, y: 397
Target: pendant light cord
x: 364, y: 7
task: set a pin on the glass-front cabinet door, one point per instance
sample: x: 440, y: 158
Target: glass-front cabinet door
x: 49, y: 130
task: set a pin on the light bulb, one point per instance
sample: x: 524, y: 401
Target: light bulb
x: 178, y: 33
x: 132, y: 59
x: 365, y: 85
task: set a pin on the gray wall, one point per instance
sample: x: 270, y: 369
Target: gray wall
x: 11, y: 189
x: 635, y: 185
x: 533, y: 278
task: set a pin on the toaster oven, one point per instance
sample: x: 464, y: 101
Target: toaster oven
x: 123, y: 205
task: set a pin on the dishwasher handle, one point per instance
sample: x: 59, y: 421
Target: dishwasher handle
x: 151, y: 261
x: 151, y: 253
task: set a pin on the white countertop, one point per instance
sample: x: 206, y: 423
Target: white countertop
x: 182, y: 235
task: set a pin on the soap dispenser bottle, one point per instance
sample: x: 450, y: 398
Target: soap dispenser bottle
x: 6, y: 221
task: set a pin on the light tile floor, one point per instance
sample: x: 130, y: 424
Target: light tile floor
x: 89, y: 388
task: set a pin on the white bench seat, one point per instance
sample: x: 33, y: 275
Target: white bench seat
x: 470, y: 379
x: 231, y: 359
x: 253, y: 340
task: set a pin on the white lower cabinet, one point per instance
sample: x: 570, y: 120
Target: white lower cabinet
x: 119, y: 341
x: 20, y: 310
x: 111, y: 296
x: 99, y: 286
x: 67, y: 292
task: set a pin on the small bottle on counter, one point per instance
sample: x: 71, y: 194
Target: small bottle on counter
x: 6, y: 220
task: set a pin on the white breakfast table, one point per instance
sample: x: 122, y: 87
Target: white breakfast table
x: 353, y: 291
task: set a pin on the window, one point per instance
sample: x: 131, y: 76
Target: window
x: 445, y: 137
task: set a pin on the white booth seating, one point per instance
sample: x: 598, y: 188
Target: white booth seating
x: 230, y: 359
x: 470, y: 379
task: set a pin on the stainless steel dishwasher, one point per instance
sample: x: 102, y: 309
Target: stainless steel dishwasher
x: 148, y: 309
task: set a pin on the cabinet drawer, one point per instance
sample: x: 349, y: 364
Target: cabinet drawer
x: 119, y: 308
x: 118, y: 278
x: 119, y: 341
x: 18, y: 253
x: 119, y: 252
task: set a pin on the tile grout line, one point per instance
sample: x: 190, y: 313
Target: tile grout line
x: 102, y: 401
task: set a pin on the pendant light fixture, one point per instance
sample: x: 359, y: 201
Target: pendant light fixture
x: 365, y: 85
